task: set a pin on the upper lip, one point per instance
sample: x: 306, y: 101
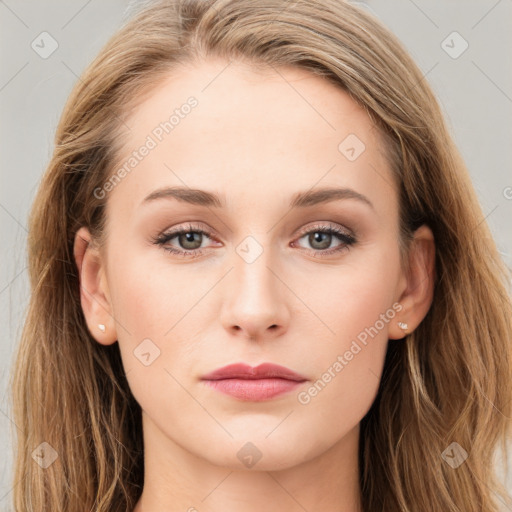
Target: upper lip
x: 263, y: 371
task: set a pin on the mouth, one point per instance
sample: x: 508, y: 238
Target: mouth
x: 260, y: 383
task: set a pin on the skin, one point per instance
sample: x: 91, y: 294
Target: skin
x: 256, y: 138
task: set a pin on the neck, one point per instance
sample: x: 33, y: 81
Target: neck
x: 177, y: 480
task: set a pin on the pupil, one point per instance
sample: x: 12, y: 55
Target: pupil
x: 189, y: 239
x: 317, y: 238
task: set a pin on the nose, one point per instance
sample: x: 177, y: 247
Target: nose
x: 255, y: 305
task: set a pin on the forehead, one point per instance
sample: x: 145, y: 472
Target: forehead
x: 251, y: 131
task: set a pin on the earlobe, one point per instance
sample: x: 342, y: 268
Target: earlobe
x: 418, y: 293
x: 94, y: 295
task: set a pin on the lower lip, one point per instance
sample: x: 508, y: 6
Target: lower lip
x: 255, y: 390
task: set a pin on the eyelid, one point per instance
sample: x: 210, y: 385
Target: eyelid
x: 319, y: 225
x: 189, y: 227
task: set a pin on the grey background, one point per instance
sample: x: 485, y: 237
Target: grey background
x: 475, y: 91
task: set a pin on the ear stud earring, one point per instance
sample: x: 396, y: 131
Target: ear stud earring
x: 101, y: 327
x: 403, y: 326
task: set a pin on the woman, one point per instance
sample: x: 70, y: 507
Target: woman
x: 260, y: 278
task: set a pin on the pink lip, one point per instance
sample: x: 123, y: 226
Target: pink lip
x: 254, y: 384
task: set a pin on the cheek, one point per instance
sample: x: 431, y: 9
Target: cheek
x: 357, y: 306
x: 149, y: 299
x: 149, y: 303
x: 351, y: 298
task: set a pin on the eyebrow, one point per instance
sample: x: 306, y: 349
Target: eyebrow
x: 299, y: 200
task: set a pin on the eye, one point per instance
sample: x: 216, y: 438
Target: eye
x: 321, y: 237
x: 189, y: 240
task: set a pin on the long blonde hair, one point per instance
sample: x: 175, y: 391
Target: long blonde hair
x: 449, y: 381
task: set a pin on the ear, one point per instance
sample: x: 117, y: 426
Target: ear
x: 416, y: 290
x: 94, y: 294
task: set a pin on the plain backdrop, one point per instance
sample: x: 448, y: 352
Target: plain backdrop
x: 462, y: 46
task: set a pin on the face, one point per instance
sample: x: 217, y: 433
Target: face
x: 267, y: 269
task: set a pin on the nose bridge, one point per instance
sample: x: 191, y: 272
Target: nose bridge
x: 254, y: 301
x: 253, y: 279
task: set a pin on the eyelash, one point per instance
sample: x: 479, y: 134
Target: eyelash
x: 344, y: 237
